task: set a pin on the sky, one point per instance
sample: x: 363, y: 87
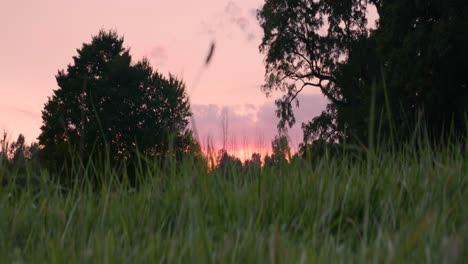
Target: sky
x: 38, y: 38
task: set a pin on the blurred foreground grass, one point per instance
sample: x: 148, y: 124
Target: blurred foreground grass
x: 392, y: 207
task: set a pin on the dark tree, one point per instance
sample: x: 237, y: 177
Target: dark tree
x: 405, y: 75
x: 18, y: 151
x: 323, y: 127
x: 105, y: 102
x: 301, y: 51
x: 3, y: 152
x: 422, y: 45
x: 19, y: 160
x: 268, y: 162
x: 281, y: 152
x: 253, y: 165
x: 228, y: 164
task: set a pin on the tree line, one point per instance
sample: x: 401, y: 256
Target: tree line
x: 390, y: 84
x: 21, y: 158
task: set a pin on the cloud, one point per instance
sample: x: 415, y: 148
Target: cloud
x: 209, y: 119
x: 27, y: 113
x: 250, y: 125
x: 233, y: 18
x: 158, y: 54
x: 241, y: 18
x: 250, y: 106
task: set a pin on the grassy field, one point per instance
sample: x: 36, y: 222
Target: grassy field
x: 393, y: 207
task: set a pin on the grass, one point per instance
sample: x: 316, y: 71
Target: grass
x: 392, y: 207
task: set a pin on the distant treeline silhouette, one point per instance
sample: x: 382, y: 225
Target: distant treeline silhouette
x: 27, y: 162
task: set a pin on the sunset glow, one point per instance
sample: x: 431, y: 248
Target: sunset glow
x: 40, y: 38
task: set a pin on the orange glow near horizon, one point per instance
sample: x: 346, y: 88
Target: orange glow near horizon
x: 245, y: 153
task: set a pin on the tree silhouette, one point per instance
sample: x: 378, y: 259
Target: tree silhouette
x: 105, y: 102
x: 253, y: 166
x: 301, y: 52
x: 422, y: 45
x: 18, y: 159
x: 405, y: 75
x: 281, y: 152
x: 18, y: 150
x: 228, y: 164
x: 4, y: 145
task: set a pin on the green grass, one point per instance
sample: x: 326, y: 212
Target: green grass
x: 405, y: 206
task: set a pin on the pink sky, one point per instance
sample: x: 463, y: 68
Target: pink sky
x: 40, y: 37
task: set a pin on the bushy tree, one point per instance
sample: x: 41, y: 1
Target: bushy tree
x: 405, y: 75
x: 281, y: 152
x: 301, y: 51
x: 107, y: 103
x: 18, y: 150
x: 253, y: 165
x: 228, y: 164
x: 18, y: 159
x: 423, y: 52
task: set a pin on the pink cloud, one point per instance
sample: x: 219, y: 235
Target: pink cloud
x: 158, y: 55
x: 27, y: 113
x: 250, y: 126
x: 234, y: 19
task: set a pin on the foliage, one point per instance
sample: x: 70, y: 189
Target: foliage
x: 319, y: 150
x: 301, y: 52
x: 405, y: 75
x: 424, y: 61
x: 104, y: 101
x: 17, y: 157
x: 228, y: 164
x: 322, y: 128
x: 281, y: 151
x: 4, y: 148
x: 253, y: 165
x: 15, y: 154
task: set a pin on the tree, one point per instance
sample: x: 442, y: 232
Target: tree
x: 305, y: 42
x: 410, y: 70
x: 16, y: 158
x: 105, y: 102
x: 18, y: 151
x: 228, y: 164
x: 281, y: 152
x: 3, y: 152
x: 323, y: 127
x: 253, y: 165
x: 425, y: 61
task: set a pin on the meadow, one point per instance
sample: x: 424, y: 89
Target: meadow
x: 397, y: 206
